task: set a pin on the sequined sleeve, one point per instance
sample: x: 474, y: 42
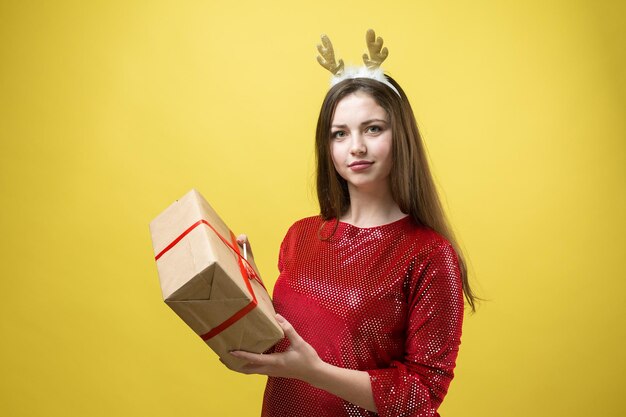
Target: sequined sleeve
x: 281, y: 253
x: 416, y: 385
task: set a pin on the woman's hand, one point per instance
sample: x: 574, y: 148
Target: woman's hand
x: 243, y: 242
x: 300, y: 361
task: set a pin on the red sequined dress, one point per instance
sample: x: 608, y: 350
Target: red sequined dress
x: 387, y: 300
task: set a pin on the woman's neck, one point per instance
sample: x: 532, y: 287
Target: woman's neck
x: 370, y: 209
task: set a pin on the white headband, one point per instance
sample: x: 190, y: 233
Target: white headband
x: 371, y: 69
x: 363, y: 72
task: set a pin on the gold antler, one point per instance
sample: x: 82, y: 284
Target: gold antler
x: 377, y: 55
x: 327, y: 58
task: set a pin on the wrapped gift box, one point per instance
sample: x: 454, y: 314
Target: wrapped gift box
x: 208, y: 283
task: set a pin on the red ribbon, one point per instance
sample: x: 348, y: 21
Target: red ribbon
x: 247, y: 272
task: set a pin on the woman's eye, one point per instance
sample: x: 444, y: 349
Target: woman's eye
x: 374, y: 129
x: 338, y: 134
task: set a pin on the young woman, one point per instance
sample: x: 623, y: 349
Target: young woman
x: 370, y: 292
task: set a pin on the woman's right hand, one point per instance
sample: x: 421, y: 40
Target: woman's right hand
x: 242, y: 240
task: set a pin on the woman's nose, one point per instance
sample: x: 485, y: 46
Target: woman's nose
x: 358, y: 146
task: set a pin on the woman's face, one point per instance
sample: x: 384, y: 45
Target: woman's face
x: 360, y: 143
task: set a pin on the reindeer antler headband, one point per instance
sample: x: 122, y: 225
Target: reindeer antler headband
x: 377, y: 54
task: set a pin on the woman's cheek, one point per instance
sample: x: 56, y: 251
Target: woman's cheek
x: 335, y: 153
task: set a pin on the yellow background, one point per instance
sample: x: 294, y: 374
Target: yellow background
x: 110, y: 110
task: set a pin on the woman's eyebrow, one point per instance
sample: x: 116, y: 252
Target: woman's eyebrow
x: 374, y: 121
x: 363, y: 123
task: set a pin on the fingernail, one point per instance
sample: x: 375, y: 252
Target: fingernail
x: 280, y: 318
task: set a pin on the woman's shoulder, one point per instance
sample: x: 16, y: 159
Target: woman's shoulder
x: 308, y: 221
x: 305, y: 224
x: 298, y: 232
x: 426, y: 235
x: 425, y: 241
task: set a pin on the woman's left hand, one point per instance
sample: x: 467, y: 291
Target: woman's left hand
x: 299, y: 361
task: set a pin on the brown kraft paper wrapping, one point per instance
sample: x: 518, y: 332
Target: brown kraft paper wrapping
x: 208, y: 284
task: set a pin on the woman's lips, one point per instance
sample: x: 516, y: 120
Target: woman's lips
x: 360, y: 165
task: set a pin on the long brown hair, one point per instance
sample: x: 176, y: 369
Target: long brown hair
x: 411, y: 182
